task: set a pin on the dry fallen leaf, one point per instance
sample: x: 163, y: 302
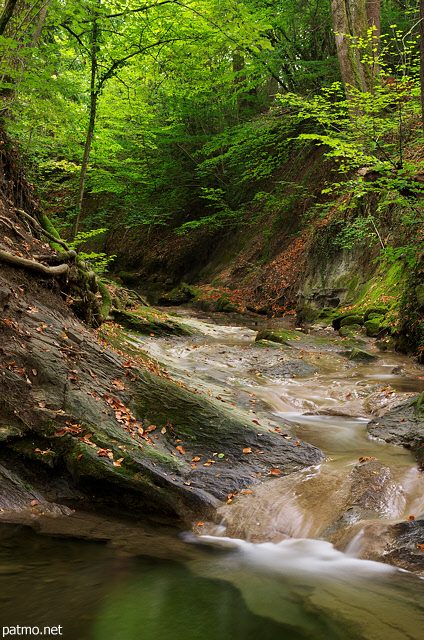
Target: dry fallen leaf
x: 180, y: 449
x: 275, y: 472
x: 33, y: 503
x: 411, y: 518
x: 247, y: 450
x: 196, y: 459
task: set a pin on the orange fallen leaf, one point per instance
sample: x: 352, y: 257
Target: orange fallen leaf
x: 180, y: 449
x: 199, y: 524
x: 246, y: 492
x: 196, y: 459
x: 275, y: 472
x: 411, y: 518
x: 33, y: 503
x: 247, y: 450
x: 421, y: 546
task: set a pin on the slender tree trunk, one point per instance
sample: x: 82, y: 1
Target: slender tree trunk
x: 7, y: 14
x: 93, y: 108
x: 40, y: 23
x: 373, y: 19
x: 422, y: 59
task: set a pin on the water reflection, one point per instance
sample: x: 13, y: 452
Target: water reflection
x: 230, y: 589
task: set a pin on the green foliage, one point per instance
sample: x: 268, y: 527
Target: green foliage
x: 98, y: 261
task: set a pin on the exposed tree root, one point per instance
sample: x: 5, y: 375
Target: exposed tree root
x: 32, y: 265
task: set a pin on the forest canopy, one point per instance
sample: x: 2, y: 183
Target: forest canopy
x: 179, y: 113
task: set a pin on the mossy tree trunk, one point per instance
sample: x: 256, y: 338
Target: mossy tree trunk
x: 350, y: 24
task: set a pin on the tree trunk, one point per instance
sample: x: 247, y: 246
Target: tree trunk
x: 422, y: 59
x: 373, y: 20
x: 350, y: 24
x: 6, y: 15
x: 94, y: 94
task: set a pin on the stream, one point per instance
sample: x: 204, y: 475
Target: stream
x: 264, y: 568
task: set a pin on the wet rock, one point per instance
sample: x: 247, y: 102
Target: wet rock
x: 355, y: 408
x: 281, y: 336
x: 403, y: 425
x: 150, y: 325
x: 359, y: 355
x: 124, y: 432
x: 285, y: 369
x: 380, y: 402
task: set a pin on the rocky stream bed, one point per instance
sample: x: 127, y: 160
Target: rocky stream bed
x: 279, y: 438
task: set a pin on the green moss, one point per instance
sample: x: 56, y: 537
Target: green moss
x: 223, y: 304
x: 106, y: 299
x: 146, y: 324
x: 48, y: 226
x: 306, y: 313
x: 350, y: 320
x: 376, y: 326
x: 282, y: 336
x: 359, y: 355
x: 350, y: 329
x: 375, y: 311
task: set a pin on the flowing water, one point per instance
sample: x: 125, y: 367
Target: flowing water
x: 262, y: 571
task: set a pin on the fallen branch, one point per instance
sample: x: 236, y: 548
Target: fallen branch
x: 32, y: 265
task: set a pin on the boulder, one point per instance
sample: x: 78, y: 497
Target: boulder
x: 359, y: 355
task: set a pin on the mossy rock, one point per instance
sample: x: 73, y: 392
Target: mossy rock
x: 179, y: 295
x: 337, y: 321
x: 349, y: 330
x: 306, y: 313
x: 381, y: 311
x: 328, y: 313
x: 359, y: 355
x: 353, y: 319
x: 223, y: 304
x: 129, y: 279
x: 281, y: 336
x: 385, y: 345
x: 374, y: 326
x: 148, y: 326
